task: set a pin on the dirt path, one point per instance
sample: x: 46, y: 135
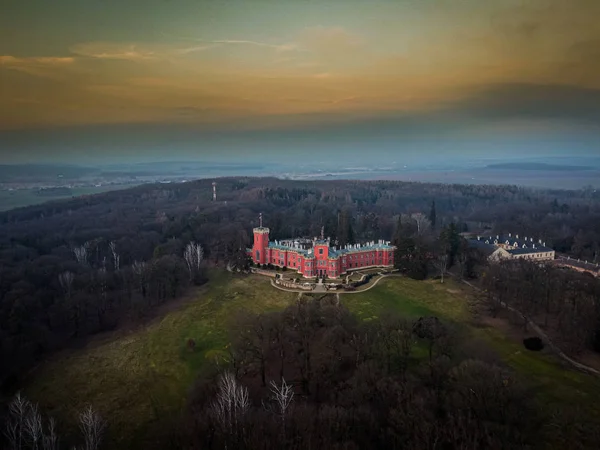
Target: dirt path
x: 541, y: 333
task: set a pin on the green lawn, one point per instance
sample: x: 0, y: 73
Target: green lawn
x: 409, y: 298
x: 140, y: 380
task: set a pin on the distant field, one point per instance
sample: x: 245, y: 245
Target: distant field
x: 140, y: 380
x: 27, y: 197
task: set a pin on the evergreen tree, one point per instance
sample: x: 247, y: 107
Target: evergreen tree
x: 409, y: 256
x: 450, y: 242
x: 345, y: 233
x: 432, y: 214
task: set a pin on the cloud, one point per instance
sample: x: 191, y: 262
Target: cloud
x: 279, y: 48
x: 40, y: 60
x: 39, y: 66
x: 107, y: 50
x: 585, y: 51
x: 531, y: 101
x: 211, y: 43
x: 197, y: 48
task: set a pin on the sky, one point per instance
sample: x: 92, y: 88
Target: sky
x: 100, y: 80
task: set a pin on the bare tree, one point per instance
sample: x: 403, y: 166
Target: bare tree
x: 398, y: 334
x: 139, y: 269
x: 278, y: 339
x: 115, y: 255
x: 92, y: 427
x: 102, y: 281
x: 18, y: 409
x: 24, y: 427
x: 50, y: 440
x: 282, y: 395
x: 34, y: 431
x: 66, y: 282
x: 423, y: 223
x: 81, y: 253
x: 441, y: 263
x: 231, y: 404
x: 253, y: 339
x: 193, y: 255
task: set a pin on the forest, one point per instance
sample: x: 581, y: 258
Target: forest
x: 71, y: 269
x: 357, y: 386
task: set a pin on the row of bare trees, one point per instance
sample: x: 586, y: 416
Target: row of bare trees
x: 85, y: 295
x: 26, y: 428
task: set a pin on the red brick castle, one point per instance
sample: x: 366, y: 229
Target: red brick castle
x: 316, y: 257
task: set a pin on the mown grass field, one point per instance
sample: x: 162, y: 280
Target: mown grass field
x: 140, y: 380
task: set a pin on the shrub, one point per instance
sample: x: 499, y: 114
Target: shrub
x: 534, y: 344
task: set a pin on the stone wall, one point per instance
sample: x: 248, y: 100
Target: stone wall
x: 292, y: 285
x: 264, y: 272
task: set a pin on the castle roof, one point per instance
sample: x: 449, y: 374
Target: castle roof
x: 296, y: 245
x: 514, y: 245
x: 487, y: 249
x: 362, y: 248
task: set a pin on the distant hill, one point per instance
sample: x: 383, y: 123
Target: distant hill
x: 41, y: 172
x: 536, y: 166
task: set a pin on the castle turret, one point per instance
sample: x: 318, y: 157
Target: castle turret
x: 261, y: 244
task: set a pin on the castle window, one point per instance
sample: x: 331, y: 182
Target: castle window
x: 257, y: 255
x: 320, y: 251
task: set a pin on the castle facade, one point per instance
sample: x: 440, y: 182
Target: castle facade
x: 317, y: 257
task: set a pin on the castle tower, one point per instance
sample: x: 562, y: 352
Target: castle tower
x: 261, y: 243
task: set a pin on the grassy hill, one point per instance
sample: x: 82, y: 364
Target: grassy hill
x: 139, y: 380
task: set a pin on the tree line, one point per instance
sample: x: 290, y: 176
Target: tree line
x: 564, y: 302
